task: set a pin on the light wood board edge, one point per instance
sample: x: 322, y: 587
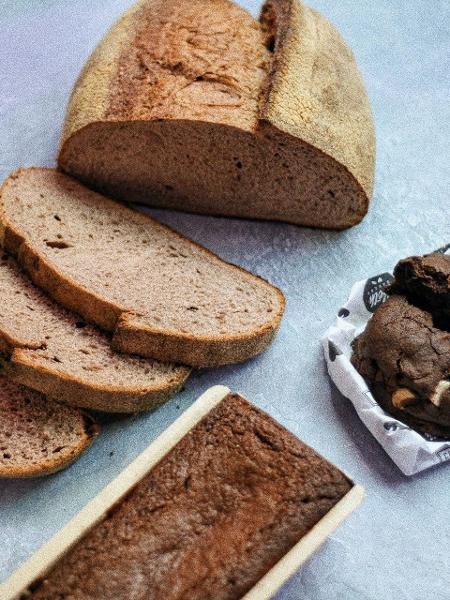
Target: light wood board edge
x: 298, y: 554
x: 44, y: 558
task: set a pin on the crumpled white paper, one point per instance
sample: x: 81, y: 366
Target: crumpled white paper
x: 411, y: 451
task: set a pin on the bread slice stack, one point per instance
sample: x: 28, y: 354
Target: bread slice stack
x: 160, y: 295
x: 197, y: 106
x: 166, y: 301
x: 61, y: 358
x: 54, y: 351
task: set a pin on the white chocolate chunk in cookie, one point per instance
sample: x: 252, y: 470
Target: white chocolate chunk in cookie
x: 440, y: 390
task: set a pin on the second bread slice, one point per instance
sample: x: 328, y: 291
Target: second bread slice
x: 161, y: 294
x: 51, y: 350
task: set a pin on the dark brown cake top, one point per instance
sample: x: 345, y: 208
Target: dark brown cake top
x: 210, y: 519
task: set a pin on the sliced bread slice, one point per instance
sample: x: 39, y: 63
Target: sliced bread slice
x: 161, y: 294
x: 197, y: 106
x: 38, y: 436
x: 49, y: 349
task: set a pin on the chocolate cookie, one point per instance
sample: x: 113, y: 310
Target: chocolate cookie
x: 406, y: 360
x: 425, y: 281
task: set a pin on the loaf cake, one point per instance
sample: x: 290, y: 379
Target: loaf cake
x: 162, y: 296
x: 197, y: 106
x: 404, y: 352
x: 226, y: 498
x: 49, y: 349
x: 37, y: 436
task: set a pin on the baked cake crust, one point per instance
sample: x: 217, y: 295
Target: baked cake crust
x: 210, y: 519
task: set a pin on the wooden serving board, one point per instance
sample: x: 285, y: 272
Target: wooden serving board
x: 42, y: 561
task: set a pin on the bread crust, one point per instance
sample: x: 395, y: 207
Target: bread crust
x: 313, y: 92
x: 204, y: 351
x: 131, y: 337
x: 82, y: 393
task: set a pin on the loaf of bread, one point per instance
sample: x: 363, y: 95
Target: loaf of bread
x: 197, y: 106
x: 210, y: 519
x: 39, y: 437
x: 47, y: 348
x: 163, y: 296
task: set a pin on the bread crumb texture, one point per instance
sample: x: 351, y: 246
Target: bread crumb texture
x: 37, y: 436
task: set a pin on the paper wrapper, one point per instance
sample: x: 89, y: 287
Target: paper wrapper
x: 411, y: 451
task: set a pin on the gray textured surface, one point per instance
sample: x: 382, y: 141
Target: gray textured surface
x: 397, y: 545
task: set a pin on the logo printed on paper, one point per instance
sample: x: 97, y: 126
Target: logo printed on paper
x: 430, y: 437
x: 374, y: 291
x: 393, y: 426
x: 444, y: 249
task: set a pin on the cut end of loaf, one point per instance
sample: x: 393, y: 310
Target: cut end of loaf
x: 169, y: 165
x: 176, y: 301
x: 276, y: 126
x: 38, y: 436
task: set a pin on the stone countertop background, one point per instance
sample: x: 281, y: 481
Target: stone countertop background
x: 397, y: 544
